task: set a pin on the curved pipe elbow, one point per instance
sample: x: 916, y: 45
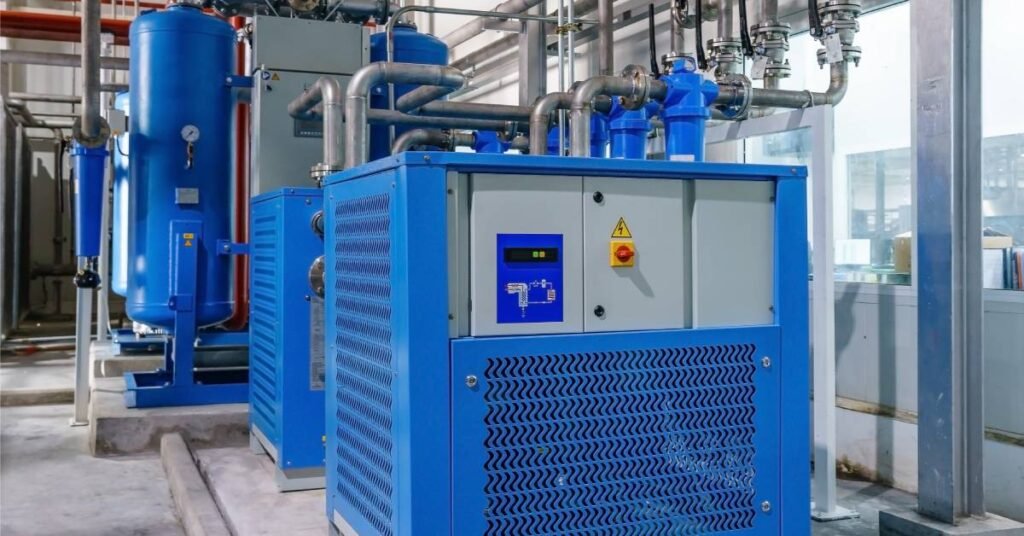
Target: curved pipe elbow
x: 540, y: 119
x: 420, y: 136
x: 839, y: 80
x: 326, y: 89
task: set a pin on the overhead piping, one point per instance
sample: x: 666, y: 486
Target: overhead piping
x: 326, y: 93
x: 637, y: 89
x: 445, y: 139
x: 476, y: 26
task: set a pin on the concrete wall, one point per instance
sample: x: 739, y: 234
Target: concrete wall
x: 876, y: 383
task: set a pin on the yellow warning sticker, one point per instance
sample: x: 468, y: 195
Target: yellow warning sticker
x: 189, y: 236
x: 188, y: 243
x: 621, y: 230
x: 275, y: 77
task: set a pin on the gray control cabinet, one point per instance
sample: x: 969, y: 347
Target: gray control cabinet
x: 703, y: 251
x: 290, y: 55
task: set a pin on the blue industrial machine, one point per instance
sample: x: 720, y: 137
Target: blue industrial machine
x: 550, y: 345
x: 286, y: 395
x: 178, y: 250
x: 410, y: 46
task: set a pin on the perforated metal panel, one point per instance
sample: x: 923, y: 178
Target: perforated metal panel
x: 264, y: 304
x: 364, y: 363
x: 619, y: 440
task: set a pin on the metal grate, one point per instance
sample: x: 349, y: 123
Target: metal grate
x: 622, y: 442
x: 264, y: 304
x: 364, y: 360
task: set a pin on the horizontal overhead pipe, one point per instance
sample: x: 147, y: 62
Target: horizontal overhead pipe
x: 326, y: 95
x: 26, y: 57
x: 372, y: 75
x: 476, y: 26
x: 44, y: 35
x: 392, y: 117
x: 60, y: 24
x: 475, y: 110
x: 44, y: 97
x: 420, y: 96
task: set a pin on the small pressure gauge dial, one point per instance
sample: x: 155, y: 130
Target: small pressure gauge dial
x: 190, y: 133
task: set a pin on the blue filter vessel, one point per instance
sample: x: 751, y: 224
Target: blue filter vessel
x: 182, y: 141
x: 410, y: 47
x: 119, y: 223
x: 89, y: 164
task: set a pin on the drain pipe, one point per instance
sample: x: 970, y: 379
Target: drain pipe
x: 375, y: 74
x: 446, y: 140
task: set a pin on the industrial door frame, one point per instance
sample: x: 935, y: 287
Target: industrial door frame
x: 820, y: 121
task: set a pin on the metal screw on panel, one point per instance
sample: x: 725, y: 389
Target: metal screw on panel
x: 598, y: 197
x: 471, y: 381
x: 599, y: 311
x: 766, y: 362
x: 766, y: 507
x: 426, y: 158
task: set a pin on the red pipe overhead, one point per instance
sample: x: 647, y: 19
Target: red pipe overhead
x: 41, y: 35
x: 58, y: 25
x: 128, y: 4
x: 240, y: 315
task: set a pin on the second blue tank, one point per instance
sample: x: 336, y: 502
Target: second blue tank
x: 410, y: 47
x: 181, y: 167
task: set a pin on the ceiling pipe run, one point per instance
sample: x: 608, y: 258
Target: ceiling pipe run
x: 476, y: 26
x: 60, y: 25
x: 26, y: 57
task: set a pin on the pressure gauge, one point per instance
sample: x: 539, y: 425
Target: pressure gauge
x: 190, y: 133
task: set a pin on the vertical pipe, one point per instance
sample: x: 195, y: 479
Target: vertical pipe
x: 103, y: 292
x: 91, y: 67
x: 83, y: 340
x: 532, y: 60
x: 19, y: 243
x: 725, y: 19
x: 769, y: 10
x: 561, y: 77
x: 240, y: 316
x: 605, y: 62
x: 677, y: 41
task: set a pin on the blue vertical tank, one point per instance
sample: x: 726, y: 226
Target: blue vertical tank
x: 181, y: 167
x: 119, y: 222
x: 410, y: 47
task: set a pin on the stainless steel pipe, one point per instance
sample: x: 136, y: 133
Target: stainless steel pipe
x: 26, y: 57
x: 327, y: 95
x: 392, y: 117
x: 581, y: 108
x: 446, y: 140
x: 91, y: 121
x: 476, y: 26
x: 420, y: 96
x: 474, y: 110
x: 540, y: 119
x: 375, y: 74
x: 605, y: 38
x: 730, y: 95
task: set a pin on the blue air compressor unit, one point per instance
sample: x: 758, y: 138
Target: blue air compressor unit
x: 286, y: 356
x: 544, y: 345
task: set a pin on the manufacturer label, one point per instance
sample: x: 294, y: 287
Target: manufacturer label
x: 621, y: 230
x: 833, y: 49
x: 757, y: 70
x: 316, y: 344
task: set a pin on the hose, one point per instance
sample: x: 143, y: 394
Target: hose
x: 748, y: 47
x: 702, y: 59
x: 813, y: 20
x: 655, y: 71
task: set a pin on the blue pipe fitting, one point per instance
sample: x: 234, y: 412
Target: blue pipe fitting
x: 90, y: 167
x: 491, y: 143
x: 599, y: 135
x: 686, y: 109
x: 629, y: 130
x: 553, y: 142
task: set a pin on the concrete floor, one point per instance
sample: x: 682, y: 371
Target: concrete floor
x: 51, y: 485
x: 37, y: 371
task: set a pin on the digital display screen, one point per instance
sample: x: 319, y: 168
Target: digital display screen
x: 531, y: 254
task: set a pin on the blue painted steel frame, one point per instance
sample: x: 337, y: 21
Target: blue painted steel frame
x: 175, y: 384
x: 283, y: 246
x: 421, y: 416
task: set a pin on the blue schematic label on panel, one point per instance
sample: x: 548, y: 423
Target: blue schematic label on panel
x: 529, y: 278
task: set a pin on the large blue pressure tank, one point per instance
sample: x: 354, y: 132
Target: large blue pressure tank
x: 181, y: 165
x: 119, y: 223
x: 410, y: 47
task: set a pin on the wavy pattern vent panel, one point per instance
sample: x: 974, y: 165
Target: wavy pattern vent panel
x: 364, y: 361
x: 658, y: 441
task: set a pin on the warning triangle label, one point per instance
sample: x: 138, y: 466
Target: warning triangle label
x: 275, y: 77
x: 621, y: 230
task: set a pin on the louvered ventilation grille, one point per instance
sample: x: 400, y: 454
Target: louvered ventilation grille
x: 621, y: 442
x: 365, y: 365
x: 265, y: 291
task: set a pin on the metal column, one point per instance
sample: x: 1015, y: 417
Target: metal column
x: 946, y: 130
x: 533, y: 59
x: 946, y: 141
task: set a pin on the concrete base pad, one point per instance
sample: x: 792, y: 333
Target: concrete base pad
x: 107, y: 364
x: 196, y: 508
x: 117, y: 430
x: 911, y: 523
x: 243, y: 485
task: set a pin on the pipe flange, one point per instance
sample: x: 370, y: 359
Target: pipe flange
x: 669, y: 60
x: 316, y: 276
x: 316, y: 223
x: 641, y: 87
x: 851, y: 54
x: 321, y: 170
x: 99, y: 140
x: 737, y: 110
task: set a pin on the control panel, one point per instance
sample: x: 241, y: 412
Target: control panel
x: 529, y: 278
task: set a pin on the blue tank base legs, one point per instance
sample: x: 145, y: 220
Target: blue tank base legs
x: 180, y: 383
